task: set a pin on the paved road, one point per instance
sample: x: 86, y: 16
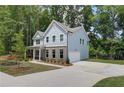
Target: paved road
x: 81, y: 74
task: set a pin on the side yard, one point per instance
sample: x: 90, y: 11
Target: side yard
x: 120, y: 62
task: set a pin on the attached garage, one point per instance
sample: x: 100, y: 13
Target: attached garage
x: 74, y: 56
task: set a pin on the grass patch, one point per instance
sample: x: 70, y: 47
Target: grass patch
x: 111, y: 82
x: 121, y: 62
x: 3, y: 68
x: 25, y: 68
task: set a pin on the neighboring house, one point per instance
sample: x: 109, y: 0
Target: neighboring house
x: 60, y: 42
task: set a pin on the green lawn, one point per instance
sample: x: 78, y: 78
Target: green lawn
x: 24, y: 68
x: 111, y: 82
x: 121, y: 62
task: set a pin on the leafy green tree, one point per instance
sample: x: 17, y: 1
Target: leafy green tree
x: 44, y: 20
x: 120, y: 21
x: 2, y: 48
x: 18, y: 46
x: 57, y: 12
x: 72, y: 16
x: 104, y: 26
x: 87, y: 12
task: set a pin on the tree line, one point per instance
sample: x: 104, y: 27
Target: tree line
x: 104, y: 25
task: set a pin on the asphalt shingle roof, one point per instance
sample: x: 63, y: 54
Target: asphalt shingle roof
x: 68, y: 28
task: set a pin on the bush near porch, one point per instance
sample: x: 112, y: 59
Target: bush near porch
x: 58, y: 62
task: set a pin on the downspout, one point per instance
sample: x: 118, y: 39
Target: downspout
x: 67, y: 47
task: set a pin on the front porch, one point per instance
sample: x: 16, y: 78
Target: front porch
x: 36, y: 52
x: 50, y: 55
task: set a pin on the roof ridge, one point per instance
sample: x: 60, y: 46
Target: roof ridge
x: 65, y: 25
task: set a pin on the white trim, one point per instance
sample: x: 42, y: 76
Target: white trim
x: 37, y: 33
x: 51, y: 26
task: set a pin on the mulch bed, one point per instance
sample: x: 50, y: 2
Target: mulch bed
x: 22, y: 68
x: 8, y: 63
x: 7, y: 57
x: 59, y: 64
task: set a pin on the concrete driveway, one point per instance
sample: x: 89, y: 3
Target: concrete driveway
x: 81, y: 74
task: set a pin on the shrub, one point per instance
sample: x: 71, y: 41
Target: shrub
x: 68, y: 61
x: 26, y: 59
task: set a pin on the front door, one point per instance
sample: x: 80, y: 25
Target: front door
x: 42, y: 54
x: 37, y: 54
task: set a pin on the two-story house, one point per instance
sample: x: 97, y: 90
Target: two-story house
x: 61, y: 42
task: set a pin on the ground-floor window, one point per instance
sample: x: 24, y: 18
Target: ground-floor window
x: 37, y: 52
x: 54, y: 53
x: 61, y: 53
x: 47, y: 53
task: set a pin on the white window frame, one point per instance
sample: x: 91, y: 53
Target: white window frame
x: 47, y: 39
x: 61, y: 37
x: 61, y: 54
x: 54, y: 38
x: 47, y: 53
x: 53, y: 53
x: 37, y: 41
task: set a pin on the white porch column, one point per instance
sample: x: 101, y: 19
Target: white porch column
x: 39, y: 54
x: 33, y: 54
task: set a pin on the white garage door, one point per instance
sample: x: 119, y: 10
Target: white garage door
x: 74, y: 56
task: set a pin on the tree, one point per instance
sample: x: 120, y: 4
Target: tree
x: 104, y: 25
x: 72, y: 16
x: 87, y: 12
x: 57, y: 12
x: 44, y: 20
x: 121, y: 19
x: 2, y: 48
x: 18, y: 46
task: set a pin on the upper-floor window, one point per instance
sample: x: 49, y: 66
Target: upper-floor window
x: 54, y: 38
x: 61, y: 37
x: 82, y: 41
x: 38, y: 41
x: 47, y: 39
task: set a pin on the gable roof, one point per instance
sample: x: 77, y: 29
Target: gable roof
x: 38, y: 33
x: 41, y: 33
x: 73, y: 29
x: 68, y: 28
x: 64, y: 27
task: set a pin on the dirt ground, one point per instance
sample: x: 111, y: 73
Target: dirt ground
x: 3, y: 57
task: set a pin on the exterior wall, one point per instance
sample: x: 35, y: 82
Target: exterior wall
x: 75, y: 47
x: 55, y: 30
x: 57, y: 52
